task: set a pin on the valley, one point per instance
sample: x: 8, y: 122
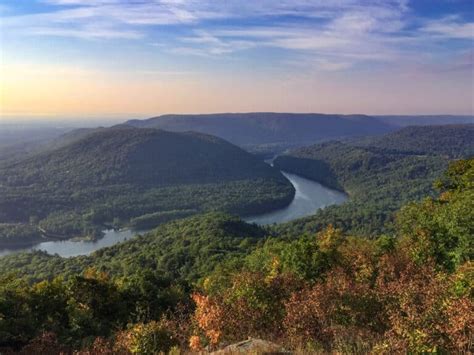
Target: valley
x: 236, y: 177
x: 309, y: 197
x: 380, y: 174
x: 221, y: 257
x: 136, y: 188
x: 222, y: 233
x: 128, y: 176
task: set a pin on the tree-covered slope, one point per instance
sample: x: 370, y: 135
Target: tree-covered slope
x: 267, y: 127
x: 454, y: 141
x: 333, y: 293
x: 138, y: 157
x: 425, y: 120
x: 185, y: 249
x: 121, y: 173
x: 380, y: 173
x: 29, y: 143
x: 328, y: 292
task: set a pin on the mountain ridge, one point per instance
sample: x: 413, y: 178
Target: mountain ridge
x: 292, y: 129
x: 268, y: 127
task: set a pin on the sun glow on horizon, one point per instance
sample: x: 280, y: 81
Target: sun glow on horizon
x: 75, y: 58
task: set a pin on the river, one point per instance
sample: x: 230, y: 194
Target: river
x: 68, y: 248
x: 309, y: 197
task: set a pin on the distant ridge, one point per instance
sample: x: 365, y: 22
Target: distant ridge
x: 292, y: 129
x: 269, y: 127
x: 425, y: 120
x: 455, y: 141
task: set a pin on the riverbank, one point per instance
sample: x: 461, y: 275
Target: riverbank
x: 309, y: 197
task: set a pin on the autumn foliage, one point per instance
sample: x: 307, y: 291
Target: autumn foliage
x: 328, y: 293
x: 392, y: 304
x: 409, y: 293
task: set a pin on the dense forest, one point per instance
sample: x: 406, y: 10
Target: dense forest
x: 379, y: 173
x: 111, y: 176
x: 388, y: 271
x: 184, y: 249
x: 453, y: 141
x: 207, y: 281
x: 425, y: 120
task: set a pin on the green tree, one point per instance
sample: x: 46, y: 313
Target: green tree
x: 442, y: 228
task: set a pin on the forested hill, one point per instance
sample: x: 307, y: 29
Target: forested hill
x: 454, y: 141
x: 379, y: 173
x: 267, y: 127
x: 425, y: 120
x: 186, y: 250
x: 139, y: 157
x: 125, y: 176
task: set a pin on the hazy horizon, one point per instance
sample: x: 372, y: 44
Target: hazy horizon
x: 73, y: 58
x: 105, y: 120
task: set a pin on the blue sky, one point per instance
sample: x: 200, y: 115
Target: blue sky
x: 369, y: 56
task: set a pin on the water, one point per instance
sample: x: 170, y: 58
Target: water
x: 309, y: 197
x: 68, y: 248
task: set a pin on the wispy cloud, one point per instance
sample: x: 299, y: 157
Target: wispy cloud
x: 103, y: 18
x: 166, y: 12
x: 450, y: 27
x: 211, y: 44
x: 336, y: 34
x: 341, y: 40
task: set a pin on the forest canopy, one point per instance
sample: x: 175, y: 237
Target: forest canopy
x: 380, y: 174
x: 127, y: 176
x: 407, y: 292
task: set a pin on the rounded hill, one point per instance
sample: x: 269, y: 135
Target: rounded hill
x: 144, y: 157
x: 124, y: 176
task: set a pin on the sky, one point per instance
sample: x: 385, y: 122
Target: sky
x: 139, y: 58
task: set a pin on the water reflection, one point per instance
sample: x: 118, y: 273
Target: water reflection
x: 68, y: 248
x: 309, y: 197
